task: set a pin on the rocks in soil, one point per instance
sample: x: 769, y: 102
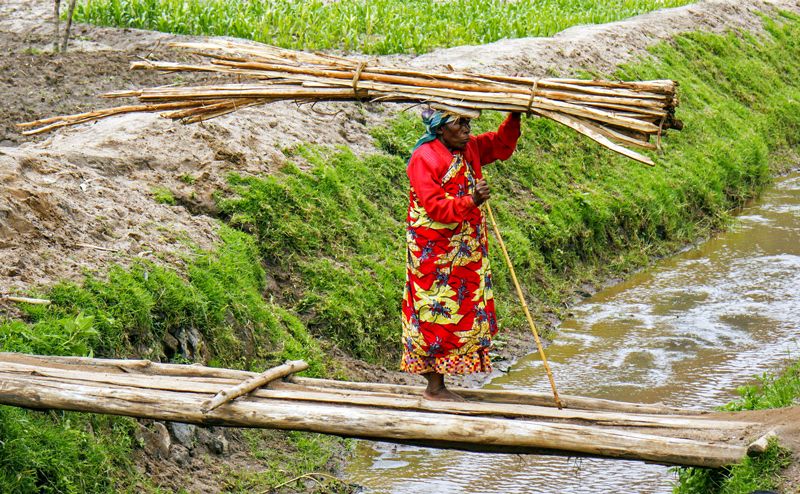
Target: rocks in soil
x: 213, y: 439
x: 154, y: 438
x: 196, y: 440
x: 184, y: 434
x: 180, y: 455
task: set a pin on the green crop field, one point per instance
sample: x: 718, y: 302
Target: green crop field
x: 378, y: 27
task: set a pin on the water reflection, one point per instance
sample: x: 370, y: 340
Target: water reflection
x: 686, y: 332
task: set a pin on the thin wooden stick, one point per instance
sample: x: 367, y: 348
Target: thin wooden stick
x: 97, y: 247
x: 254, y: 382
x: 524, y: 305
x: 26, y: 300
x: 65, y: 40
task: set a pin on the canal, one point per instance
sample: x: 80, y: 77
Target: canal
x: 686, y: 332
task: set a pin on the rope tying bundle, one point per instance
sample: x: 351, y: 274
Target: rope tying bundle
x: 357, y: 76
x: 533, y: 95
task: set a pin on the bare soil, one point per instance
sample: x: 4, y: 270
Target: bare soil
x: 79, y: 199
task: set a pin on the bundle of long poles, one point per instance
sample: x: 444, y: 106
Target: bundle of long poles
x: 616, y: 114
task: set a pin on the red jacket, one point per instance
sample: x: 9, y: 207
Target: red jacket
x: 430, y: 162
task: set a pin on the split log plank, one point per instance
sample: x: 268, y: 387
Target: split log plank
x: 503, y: 396
x: 387, y: 425
x: 483, y: 395
x: 288, y: 391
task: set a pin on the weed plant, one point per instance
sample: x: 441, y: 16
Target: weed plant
x: 758, y: 473
x: 380, y: 27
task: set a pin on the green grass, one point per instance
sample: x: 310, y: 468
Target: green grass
x: 58, y: 452
x: 570, y: 211
x: 335, y: 233
x: 133, y: 310
x: 762, y: 472
x: 163, y: 195
x: 128, y: 314
x: 381, y: 27
x: 309, y: 453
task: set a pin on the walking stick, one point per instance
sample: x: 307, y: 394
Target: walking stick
x: 524, y: 305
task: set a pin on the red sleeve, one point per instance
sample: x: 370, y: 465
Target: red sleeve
x: 499, y: 145
x: 424, y: 175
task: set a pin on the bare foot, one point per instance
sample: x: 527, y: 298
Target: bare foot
x: 443, y: 394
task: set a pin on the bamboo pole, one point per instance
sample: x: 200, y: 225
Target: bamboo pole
x: 462, y: 432
x: 524, y: 304
x: 249, y: 385
x: 615, y: 114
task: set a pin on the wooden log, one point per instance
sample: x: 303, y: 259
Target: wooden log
x: 249, y: 385
x: 126, y: 366
x: 517, y: 435
x: 760, y: 445
x: 485, y: 395
x: 500, y: 396
x: 289, y: 391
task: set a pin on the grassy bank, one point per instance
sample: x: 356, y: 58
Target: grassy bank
x: 570, y: 211
x: 136, y: 312
x: 381, y: 27
x: 327, y: 230
x: 761, y: 472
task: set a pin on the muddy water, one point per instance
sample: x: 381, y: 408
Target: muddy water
x: 686, y: 332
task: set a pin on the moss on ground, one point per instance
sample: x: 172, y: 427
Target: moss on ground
x: 332, y: 239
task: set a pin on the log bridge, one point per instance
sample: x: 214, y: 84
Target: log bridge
x: 491, y: 421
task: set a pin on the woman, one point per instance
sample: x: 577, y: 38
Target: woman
x: 448, y: 308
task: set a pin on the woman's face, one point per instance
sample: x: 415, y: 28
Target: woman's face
x: 455, y: 134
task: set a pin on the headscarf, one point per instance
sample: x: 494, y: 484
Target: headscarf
x: 433, y: 119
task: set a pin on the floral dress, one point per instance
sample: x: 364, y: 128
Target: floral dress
x: 448, y: 306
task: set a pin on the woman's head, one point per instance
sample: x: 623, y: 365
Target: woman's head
x: 447, y: 126
x: 455, y: 133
